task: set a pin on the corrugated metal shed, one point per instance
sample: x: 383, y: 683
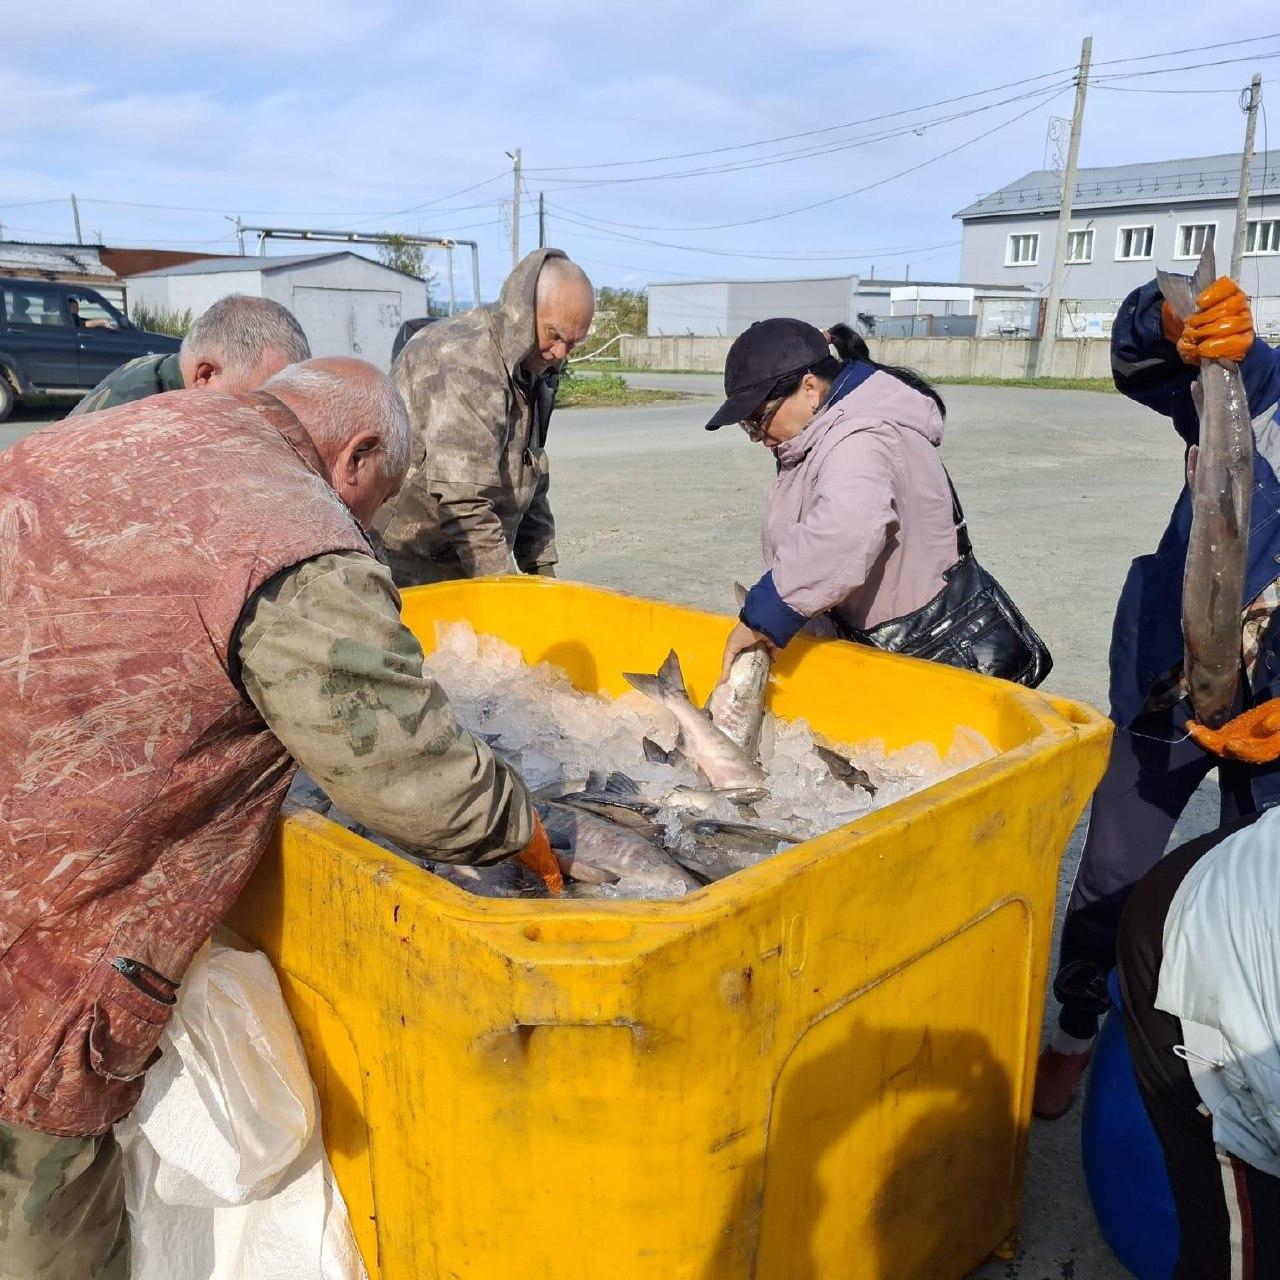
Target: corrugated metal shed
x: 79, y: 262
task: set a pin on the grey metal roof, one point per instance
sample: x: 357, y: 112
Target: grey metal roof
x: 1157, y: 182
x: 212, y: 266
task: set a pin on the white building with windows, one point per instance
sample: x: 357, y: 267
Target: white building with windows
x: 1127, y: 220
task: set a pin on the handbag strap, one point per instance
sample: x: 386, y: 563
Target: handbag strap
x: 963, y: 542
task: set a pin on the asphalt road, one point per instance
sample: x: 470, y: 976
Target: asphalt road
x: 1061, y: 489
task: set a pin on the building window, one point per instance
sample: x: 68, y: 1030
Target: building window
x: 1133, y: 243
x: 1262, y: 236
x: 1080, y: 246
x: 1192, y: 238
x: 1022, y: 251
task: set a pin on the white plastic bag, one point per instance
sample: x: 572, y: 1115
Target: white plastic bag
x: 225, y: 1174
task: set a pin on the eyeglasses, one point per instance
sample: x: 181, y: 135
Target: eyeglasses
x: 757, y: 429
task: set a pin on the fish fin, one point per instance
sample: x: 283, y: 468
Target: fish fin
x: 1178, y: 291
x: 617, y: 783
x: 1206, y: 269
x: 1193, y: 458
x: 654, y: 754
x: 650, y: 686
x: 700, y: 873
x: 596, y: 782
x: 554, y: 791
x: 671, y: 675
x: 741, y: 593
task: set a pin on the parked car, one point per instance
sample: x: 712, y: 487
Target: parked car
x: 407, y: 330
x: 58, y: 341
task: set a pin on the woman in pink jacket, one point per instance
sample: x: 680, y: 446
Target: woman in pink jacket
x: 859, y: 528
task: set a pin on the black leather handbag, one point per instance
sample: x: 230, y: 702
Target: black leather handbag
x: 970, y: 623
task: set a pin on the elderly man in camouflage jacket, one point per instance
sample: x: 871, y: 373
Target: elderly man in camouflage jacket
x: 236, y: 345
x: 480, y: 389
x: 225, y: 621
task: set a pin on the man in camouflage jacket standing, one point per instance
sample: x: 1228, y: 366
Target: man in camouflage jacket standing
x: 480, y: 389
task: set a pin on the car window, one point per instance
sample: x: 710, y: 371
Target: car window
x: 33, y: 307
x: 90, y: 313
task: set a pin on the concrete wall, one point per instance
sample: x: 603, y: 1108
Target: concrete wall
x: 985, y: 242
x: 940, y: 357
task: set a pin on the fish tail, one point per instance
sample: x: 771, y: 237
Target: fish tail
x: 671, y: 675
x: 655, y: 754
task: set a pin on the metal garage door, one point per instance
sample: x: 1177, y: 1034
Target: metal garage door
x: 349, y: 322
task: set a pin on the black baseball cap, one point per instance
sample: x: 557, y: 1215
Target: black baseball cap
x: 767, y: 352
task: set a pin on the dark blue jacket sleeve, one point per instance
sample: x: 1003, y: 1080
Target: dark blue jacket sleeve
x: 765, y: 611
x: 1146, y: 366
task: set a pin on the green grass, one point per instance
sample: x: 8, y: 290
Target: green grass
x: 606, y: 390
x: 1042, y: 384
x: 613, y: 366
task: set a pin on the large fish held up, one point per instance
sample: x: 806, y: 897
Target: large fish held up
x: 1220, y: 474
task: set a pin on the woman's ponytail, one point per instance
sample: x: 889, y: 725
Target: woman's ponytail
x: 850, y: 345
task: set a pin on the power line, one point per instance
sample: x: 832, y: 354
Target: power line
x: 1120, y: 88
x: 818, y: 204
x: 1193, y: 66
x: 1203, y: 48
x: 812, y: 257
x: 828, y: 148
x: 358, y: 213
x: 804, y: 133
x: 849, y: 124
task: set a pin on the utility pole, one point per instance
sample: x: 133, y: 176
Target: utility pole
x: 542, y: 221
x: 1246, y: 174
x: 1049, y: 335
x: 239, y: 226
x: 515, y: 208
x: 75, y: 213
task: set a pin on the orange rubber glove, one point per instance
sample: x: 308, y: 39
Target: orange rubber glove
x: 1253, y: 736
x: 1170, y: 325
x: 539, y: 859
x: 1221, y: 328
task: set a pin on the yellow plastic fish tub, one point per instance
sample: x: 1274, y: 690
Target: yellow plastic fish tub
x: 817, y: 1069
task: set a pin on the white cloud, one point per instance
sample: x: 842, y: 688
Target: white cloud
x: 331, y: 107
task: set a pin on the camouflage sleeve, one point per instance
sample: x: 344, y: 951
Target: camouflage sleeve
x: 470, y: 521
x: 134, y: 380
x: 338, y: 678
x: 459, y: 409
x: 535, y: 548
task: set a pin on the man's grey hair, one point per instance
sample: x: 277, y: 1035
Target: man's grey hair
x: 237, y: 330
x: 340, y: 405
x: 556, y: 273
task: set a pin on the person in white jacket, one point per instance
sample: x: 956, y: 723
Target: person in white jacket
x: 1199, y: 960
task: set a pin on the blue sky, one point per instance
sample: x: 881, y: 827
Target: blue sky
x: 332, y: 113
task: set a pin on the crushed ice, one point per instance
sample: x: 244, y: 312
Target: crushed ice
x: 554, y: 733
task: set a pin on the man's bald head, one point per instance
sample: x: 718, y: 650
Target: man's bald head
x: 357, y: 422
x: 564, y: 307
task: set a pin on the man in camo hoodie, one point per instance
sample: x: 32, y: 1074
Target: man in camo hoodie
x: 480, y: 389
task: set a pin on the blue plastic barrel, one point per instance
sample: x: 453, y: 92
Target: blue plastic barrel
x: 1123, y: 1160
